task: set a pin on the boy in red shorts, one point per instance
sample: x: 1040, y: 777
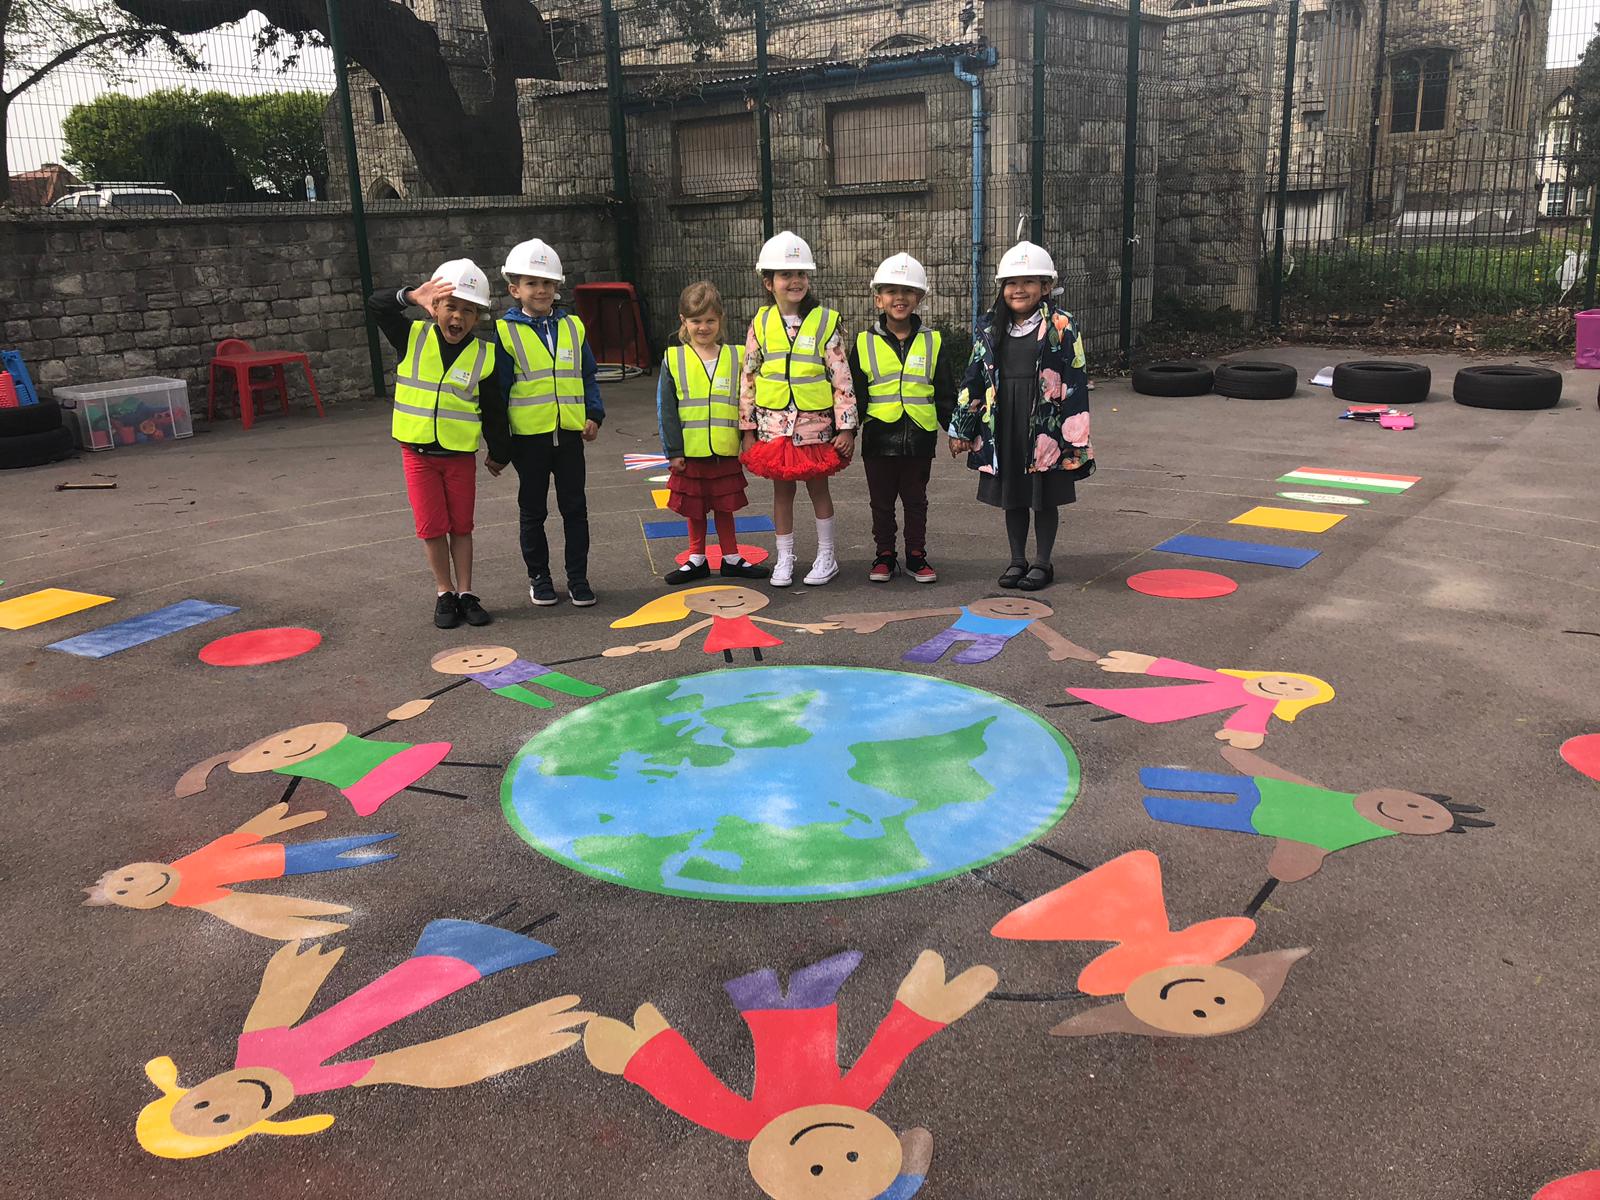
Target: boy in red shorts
x: 445, y: 401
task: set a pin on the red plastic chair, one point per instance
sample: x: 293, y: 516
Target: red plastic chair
x: 236, y: 356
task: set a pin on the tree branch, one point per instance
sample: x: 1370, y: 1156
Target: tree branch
x: 72, y: 52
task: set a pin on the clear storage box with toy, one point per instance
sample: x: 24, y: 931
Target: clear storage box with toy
x: 126, y: 412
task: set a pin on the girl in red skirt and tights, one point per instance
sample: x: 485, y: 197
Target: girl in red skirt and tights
x: 697, y: 407
x: 797, y: 406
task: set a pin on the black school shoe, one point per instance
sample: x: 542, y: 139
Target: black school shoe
x: 472, y: 609
x: 542, y: 591
x: 580, y: 593
x: 688, y: 573
x: 446, y: 611
x: 742, y: 570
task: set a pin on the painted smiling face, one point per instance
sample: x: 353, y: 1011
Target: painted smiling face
x: 1011, y: 608
x: 232, y: 1101
x: 825, y: 1152
x: 1404, y: 812
x: 1196, y: 1001
x: 473, y: 660
x: 137, y: 885
x: 1280, y: 687
x: 287, y: 747
x: 726, y: 602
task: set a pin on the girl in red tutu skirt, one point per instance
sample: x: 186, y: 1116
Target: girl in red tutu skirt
x: 697, y: 407
x: 797, y: 405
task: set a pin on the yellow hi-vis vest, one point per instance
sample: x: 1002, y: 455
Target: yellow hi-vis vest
x: 795, y: 369
x: 894, y: 387
x: 545, y: 387
x: 708, y: 404
x: 433, y: 405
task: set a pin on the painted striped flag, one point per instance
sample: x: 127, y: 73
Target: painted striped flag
x: 643, y: 462
x: 1355, y: 481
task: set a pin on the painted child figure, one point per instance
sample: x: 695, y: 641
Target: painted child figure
x: 697, y: 412
x: 281, y: 1055
x: 811, y: 1132
x: 550, y: 379
x: 500, y: 670
x: 446, y: 398
x: 797, y: 402
x: 203, y: 879
x: 1022, y: 416
x: 729, y: 615
x: 981, y: 628
x: 1308, y: 821
x: 910, y: 390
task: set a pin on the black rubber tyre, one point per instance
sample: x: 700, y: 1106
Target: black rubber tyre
x: 1256, y: 380
x: 30, y: 418
x: 1508, y: 387
x: 1379, y: 381
x: 35, y: 449
x: 1172, y: 379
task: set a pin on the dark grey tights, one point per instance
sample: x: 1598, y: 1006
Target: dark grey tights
x: 1045, y: 523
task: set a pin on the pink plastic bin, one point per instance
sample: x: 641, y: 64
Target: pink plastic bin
x: 1587, y: 354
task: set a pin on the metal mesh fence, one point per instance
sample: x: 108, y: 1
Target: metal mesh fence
x: 1431, y: 166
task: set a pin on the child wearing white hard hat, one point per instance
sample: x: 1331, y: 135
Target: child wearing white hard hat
x: 446, y: 400
x: 797, y: 402
x: 1022, y: 416
x: 550, y: 379
x: 910, y: 390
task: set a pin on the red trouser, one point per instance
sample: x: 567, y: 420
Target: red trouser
x: 442, y: 489
x: 905, y: 478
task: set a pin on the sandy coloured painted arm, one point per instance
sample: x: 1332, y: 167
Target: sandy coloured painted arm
x: 1248, y: 763
x: 807, y: 626
x: 289, y: 985
x: 1061, y: 647
x: 871, y: 622
x: 670, y: 643
x: 514, y: 1040
x: 273, y: 821
x: 281, y: 918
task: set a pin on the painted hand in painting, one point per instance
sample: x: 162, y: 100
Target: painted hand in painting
x: 1174, y: 983
x: 202, y: 879
x: 982, y: 628
x: 811, y: 1134
x: 281, y: 1057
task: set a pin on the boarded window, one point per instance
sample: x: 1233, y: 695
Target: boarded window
x: 880, y: 141
x: 716, y: 155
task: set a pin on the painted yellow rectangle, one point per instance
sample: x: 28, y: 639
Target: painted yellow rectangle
x: 660, y: 495
x: 36, y: 608
x: 1266, y: 517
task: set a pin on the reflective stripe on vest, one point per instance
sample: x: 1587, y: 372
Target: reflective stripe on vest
x: 543, y: 386
x: 708, y: 406
x: 794, y: 369
x: 894, y: 387
x: 435, y: 405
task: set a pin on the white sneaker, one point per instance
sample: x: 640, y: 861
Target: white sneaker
x: 782, y: 571
x: 824, y: 569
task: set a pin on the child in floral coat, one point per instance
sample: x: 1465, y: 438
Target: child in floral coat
x: 1022, y: 415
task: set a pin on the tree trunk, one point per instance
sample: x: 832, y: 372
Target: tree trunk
x: 459, y: 152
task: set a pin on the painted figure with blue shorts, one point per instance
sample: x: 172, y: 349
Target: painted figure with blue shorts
x: 983, y: 628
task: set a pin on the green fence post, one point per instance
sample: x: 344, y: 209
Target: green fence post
x: 1130, y: 177
x: 1041, y: 31
x: 358, y: 212
x: 1283, y: 166
x: 764, y: 121
x: 621, y: 185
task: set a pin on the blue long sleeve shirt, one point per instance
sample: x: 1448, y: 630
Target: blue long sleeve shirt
x: 545, y: 328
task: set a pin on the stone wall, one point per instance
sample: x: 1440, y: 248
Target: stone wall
x: 87, y: 299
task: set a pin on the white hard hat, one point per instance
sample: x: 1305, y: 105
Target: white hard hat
x: 1025, y: 260
x: 785, y: 252
x: 467, y: 280
x: 901, y: 270
x: 533, y: 258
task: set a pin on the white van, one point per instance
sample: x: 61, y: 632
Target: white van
x: 106, y: 196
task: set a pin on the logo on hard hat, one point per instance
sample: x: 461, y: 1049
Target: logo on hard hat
x: 793, y: 252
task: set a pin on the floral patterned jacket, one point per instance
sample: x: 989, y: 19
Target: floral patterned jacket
x: 1059, y: 426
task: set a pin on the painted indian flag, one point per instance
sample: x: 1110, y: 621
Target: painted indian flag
x: 1355, y: 481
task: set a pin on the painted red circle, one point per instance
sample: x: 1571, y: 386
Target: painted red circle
x: 1586, y: 1184
x: 1582, y: 754
x: 256, y: 646
x: 1180, y: 584
x: 751, y: 554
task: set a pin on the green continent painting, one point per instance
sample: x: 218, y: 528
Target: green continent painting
x: 775, y: 784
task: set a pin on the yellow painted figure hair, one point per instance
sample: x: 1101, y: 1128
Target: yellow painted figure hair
x: 1288, y: 710
x: 157, y: 1134
x: 699, y: 300
x: 666, y: 608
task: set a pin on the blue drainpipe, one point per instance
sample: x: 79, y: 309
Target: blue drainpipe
x: 966, y: 68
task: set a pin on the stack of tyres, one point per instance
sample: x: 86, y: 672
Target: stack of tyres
x: 32, y: 434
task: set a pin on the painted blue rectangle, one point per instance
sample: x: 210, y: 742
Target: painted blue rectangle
x: 146, y: 627
x: 677, y: 529
x: 1230, y: 550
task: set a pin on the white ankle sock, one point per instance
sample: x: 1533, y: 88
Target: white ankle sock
x: 697, y: 559
x: 732, y: 559
x: 785, y: 545
x: 824, y: 537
